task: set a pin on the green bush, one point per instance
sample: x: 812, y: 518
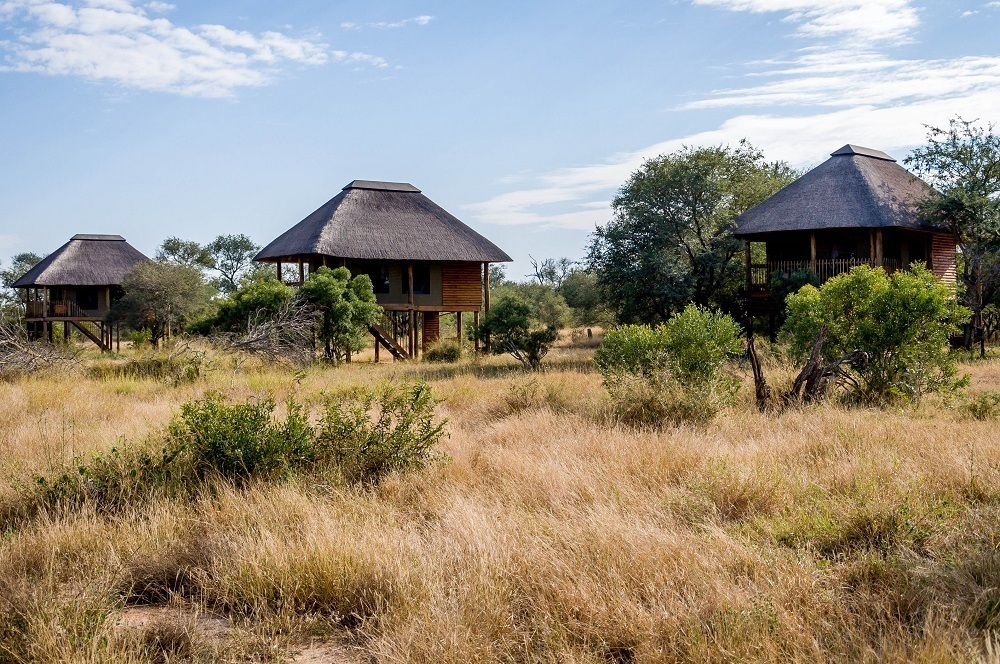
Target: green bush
x: 673, y: 372
x: 982, y: 406
x: 362, y: 436
x: 511, y: 327
x: 381, y: 432
x: 444, y: 351
x: 901, y: 321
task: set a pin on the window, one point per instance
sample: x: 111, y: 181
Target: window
x: 86, y: 298
x: 378, y: 273
x: 421, y: 279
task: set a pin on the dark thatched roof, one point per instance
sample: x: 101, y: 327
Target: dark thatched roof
x: 86, y: 260
x: 383, y: 221
x: 855, y: 188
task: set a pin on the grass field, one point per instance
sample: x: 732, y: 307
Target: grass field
x: 551, y: 533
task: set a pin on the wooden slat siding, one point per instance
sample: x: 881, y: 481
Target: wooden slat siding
x: 943, y: 248
x: 432, y: 328
x: 461, y: 285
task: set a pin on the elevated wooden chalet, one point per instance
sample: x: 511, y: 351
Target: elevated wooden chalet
x: 422, y: 260
x: 859, y: 207
x: 76, y: 286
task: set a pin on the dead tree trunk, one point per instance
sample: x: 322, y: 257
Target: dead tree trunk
x: 762, y: 391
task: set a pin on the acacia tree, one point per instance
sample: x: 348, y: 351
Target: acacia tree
x: 346, y: 307
x: 962, y: 162
x: 176, y: 251
x: 670, y: 242
x: 232, y: 256
x: 160, y: 297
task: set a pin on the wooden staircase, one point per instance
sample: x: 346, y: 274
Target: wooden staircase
x: 385, y: 338
x: 80, y: 325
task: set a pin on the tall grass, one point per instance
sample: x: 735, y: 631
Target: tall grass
x: 553, y: 534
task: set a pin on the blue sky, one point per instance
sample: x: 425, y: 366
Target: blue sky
x: 194, y: 119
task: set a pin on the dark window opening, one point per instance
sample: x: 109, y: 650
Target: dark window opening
x: 378, y: 273
x: 421, y: 279
x: 86, y: 298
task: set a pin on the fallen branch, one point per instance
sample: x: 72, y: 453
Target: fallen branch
x: 287, y: 335
x: 21, y: 355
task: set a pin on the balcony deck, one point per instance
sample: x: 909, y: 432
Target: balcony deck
x: 759, y: 275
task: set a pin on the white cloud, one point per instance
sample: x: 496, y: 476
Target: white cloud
x: 839, y: 95
x: 117, y: 41
x: 160, y: 7
x: 852, y: 20
x: 384, y: 25
x: 969, y: 12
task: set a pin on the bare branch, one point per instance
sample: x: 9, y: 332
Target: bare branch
x: 289, y: 335
x: 21, y: 355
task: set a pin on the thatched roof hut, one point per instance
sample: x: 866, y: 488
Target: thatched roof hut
x: 856, y: 187
x: 86, y: 260
x: 382, y: 221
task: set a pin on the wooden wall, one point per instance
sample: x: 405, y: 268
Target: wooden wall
x: 943, y: 249
x: 462, y: 285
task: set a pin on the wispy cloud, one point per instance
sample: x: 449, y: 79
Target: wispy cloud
x: 856, y: 21
x: 385, y: 25
x: 119, y: 42
x: 839, y: 95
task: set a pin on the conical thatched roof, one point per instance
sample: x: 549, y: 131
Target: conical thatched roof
x: 86, y: 260
x: 383, y: 221
x: 855, y: 188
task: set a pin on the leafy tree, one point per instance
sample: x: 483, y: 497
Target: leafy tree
x: 176, y: 251
x: 670, y: 242
x: 232, y: 256
x: 551, y: 271
x: 263, y: 296
x: 511, y: 328
x: 546, y: 305
x: 901, y: 321
x: 962, y: 162
x: 161, y: 297
x: 347, y: 307
x: 498, y: 275
x: 9, y: 298
x: 583, y: 296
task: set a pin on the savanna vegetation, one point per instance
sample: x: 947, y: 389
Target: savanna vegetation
x: 624, y: 477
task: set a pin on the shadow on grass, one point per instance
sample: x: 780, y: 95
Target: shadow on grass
x: 448, y: 371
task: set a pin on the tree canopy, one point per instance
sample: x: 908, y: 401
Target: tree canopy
x: 347, y: 307
x: 670, y: 242
x: 232, y: 256
x: 161, y: 297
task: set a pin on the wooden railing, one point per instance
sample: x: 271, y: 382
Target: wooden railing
x: 55, y: 309
x: 761, y: 274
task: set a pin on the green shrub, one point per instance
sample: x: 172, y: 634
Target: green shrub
x: 673, y: 372
x: 901, y: 321
x: 381, y: 432
x: 363, y: 435
x: 511, y: 327
x: 982, y: 406
x: 444, y: 351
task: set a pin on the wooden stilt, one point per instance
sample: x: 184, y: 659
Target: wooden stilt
x: 458, y: 327
x: 66, y: 333
x: 302, y: 272
x: 486, y: 298
x: 279, y: 270
x: 377, y: 344
x: 475, y: 325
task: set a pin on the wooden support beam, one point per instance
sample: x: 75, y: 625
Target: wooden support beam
x: 475, y: 324
x: 812, y: 250
x: 302, y: 272
x: 878, y: 247
x: 278, y: 263
x: 486, y: 297
x: 747, y: 260
x: 458, y: 326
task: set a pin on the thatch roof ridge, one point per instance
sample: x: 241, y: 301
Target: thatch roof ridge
x: 855, y: 188
x: 372, y: 220
x: 86, y: 260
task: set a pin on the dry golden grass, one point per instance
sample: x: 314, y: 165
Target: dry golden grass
x: 552, y: 534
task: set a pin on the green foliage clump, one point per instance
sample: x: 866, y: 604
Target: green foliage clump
x: 258, y: 297
x: 380, y: 433
x: 161, y: 297
x: 511, y: 328
x: 983, y: 406
x: 673, y: 372
x: 546, y: 305
x: 347, y: 307
x: 361, y: 437
x: 901, y: 321
x: 444, y: 351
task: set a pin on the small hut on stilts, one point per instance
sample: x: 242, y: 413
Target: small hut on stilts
x: 76, y: 286
x: 423, y: 262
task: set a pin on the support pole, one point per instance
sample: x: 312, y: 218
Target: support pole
x: 747, y: 259
x: 878, y: 248
x: 475, y: 323
x: 66, y: 332
x: 413, y: 316
x: 302, y: 272
x: 377, y: 344
x: 278, y: 263
x: 486, y: 296
x: 812, y: 251
x: 458, y: 326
